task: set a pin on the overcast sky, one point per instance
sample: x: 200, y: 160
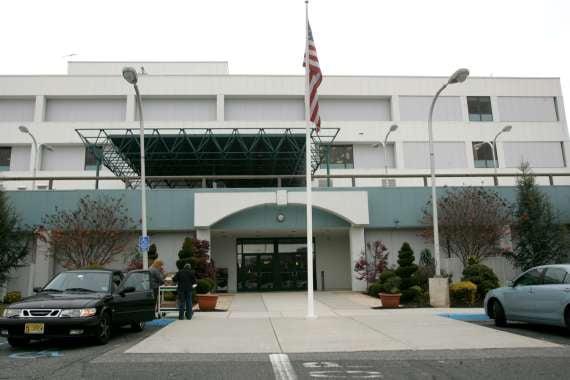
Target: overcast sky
x: 354, y: 37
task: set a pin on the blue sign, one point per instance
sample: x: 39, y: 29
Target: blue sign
x: 144, y: 243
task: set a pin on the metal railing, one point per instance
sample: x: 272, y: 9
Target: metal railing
x: 277, y: 180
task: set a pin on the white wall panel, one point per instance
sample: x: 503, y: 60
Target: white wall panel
x: 448, y: 155
x: 264, y: 109
x: 355, y: 109
x: 333, y: 258
x: 537, y: 154
x: 527, y: 108
x: 367, y: 156
x: 416, y: 108
x: 63, y: 158
x: 17, y: 109
x: 20, y: 158
x: 179, y: 109
x: 86, y: 109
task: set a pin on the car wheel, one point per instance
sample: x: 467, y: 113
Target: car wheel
x: 498, y: 314
x: 137, y: 326
x: 103, y: 331
x: 18, y: 342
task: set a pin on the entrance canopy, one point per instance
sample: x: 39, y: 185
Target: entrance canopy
x: 211, y: 151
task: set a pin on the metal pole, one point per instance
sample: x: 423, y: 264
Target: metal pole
x: 143, y: 176
x: 433, y: 186
x: 35, y: 162
x: 310, y: 295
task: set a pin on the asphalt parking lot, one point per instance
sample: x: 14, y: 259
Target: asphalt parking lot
x: 63, y: 359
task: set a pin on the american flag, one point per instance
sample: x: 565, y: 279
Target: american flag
x: 315, y: 79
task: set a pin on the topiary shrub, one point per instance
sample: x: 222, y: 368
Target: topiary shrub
x: 204, y: 286
x: 386, y: 275
x: 374, y: 289
x: 463, y: 293
x: 391, y: 285
x: 414, y: 294
x: 482, y: 276
x: 406, y: 271
x: 12, y: 297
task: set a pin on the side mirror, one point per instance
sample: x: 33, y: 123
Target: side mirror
x: 38, y: 289
x: 510, y: 283
x: 128, y: 289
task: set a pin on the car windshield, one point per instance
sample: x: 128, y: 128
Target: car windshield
x: 80, y: 282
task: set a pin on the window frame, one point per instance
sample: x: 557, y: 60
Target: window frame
x: 540, y: 278
x: 4, y: 167
x: 346, y: 164
x: 89, y: 154
x: 478, y: 111
x: 476, y: 155
x: 554, y: 268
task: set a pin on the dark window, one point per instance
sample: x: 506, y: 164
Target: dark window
x: 140, y: 281
x: 340, y: 156
x: 483, y: 155
x: 5, y: 153
x: 479, y: 108
x: 554, y: 276
x: 92, y: 159
x: 532, y: 277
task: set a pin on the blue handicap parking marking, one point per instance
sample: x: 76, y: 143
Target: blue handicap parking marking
x: 467, y: 317
x: 160, y: 322
x: 36, y: 354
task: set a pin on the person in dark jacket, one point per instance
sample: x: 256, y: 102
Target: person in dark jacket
x: 186, y: 280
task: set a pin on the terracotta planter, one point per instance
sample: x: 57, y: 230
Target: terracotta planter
x: 390, y: 301
x: 207, y: 302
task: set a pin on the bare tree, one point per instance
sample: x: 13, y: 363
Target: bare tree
x: 473, y: 222
x: 91, y: 235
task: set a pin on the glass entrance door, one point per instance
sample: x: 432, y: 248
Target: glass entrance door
x: 272, y: 264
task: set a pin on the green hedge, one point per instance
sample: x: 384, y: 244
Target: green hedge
x: 463, y: 293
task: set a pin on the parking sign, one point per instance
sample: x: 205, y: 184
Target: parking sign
x: 144, y: 243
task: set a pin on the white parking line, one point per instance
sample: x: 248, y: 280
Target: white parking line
x: 282, y: 367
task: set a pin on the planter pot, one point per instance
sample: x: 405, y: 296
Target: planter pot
x: 207, y: 302
x: 390, y: 301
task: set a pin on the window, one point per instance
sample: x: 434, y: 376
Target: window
x: 479, y: 108
x: 483, y: 155
x: 138, y: 280
x: 340, y: 156
x: 532, y: 277
x: 5, y: 153
x: 91, y: 159
x: 554, y: 276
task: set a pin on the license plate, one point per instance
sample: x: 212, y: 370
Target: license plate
x: 34, y: 328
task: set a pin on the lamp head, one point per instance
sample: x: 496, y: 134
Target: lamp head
x: 376, y: 145
x: 130, y: 75
x: 393, y: 127
x: 23, y: 129
x: 507, y: 128
x: 459, y: 76
x: 48, y: 148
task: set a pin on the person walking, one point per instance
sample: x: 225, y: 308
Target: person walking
x: 186, y: 280
x: 156, y: 280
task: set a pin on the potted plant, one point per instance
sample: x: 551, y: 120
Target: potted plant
x: 195, y: 253
x: 206, y: 300
x: 390, y: 289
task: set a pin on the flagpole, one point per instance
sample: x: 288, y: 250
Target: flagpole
x: 310, y: 295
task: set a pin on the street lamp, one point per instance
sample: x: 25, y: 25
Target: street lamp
x: 457, y: 77
x: 25, y: 130
x: 493, y: 146
x: 130, y: 75
x: 384, y: 144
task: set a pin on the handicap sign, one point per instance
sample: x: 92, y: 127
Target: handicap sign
x: 144, y: 243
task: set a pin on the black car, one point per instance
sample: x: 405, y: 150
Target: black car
x: 81, y: 303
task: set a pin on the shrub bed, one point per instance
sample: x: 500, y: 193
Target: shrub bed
x: 463, y: 293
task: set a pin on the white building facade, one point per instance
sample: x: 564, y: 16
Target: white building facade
x: 257, y: 230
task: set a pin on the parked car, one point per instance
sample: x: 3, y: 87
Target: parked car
x: 539, y: 295
x: 81, y: 303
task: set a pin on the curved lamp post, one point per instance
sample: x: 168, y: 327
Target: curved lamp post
x: 384, y: 144
x: 25, y: 130
x: 457, y: 77
x: 130, y: 75
x: 493, y: 146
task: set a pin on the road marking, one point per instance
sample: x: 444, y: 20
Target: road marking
x: 282, y: 367
x: 334, y: 370
x: 36, y: 354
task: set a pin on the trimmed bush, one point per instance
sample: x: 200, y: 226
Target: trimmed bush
x: 391, y: 285
x: 384, y: 276
x: 482, y: 276
x: 204, y: 286
x: 463, y: 293
x: 414, y: 294
x: 12, y: 297
x: 374, y: 289
x: 406, y: 270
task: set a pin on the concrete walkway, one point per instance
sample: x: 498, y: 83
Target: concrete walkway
x: 275, y: 322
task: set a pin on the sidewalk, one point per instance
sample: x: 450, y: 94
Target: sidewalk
x: 275, y: 322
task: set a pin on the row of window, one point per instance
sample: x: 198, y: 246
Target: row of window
x: 412, y: 108
x: 90, y: 160
x: 550, y: 276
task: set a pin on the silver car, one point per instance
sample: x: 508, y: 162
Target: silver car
x: 539, y: 295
